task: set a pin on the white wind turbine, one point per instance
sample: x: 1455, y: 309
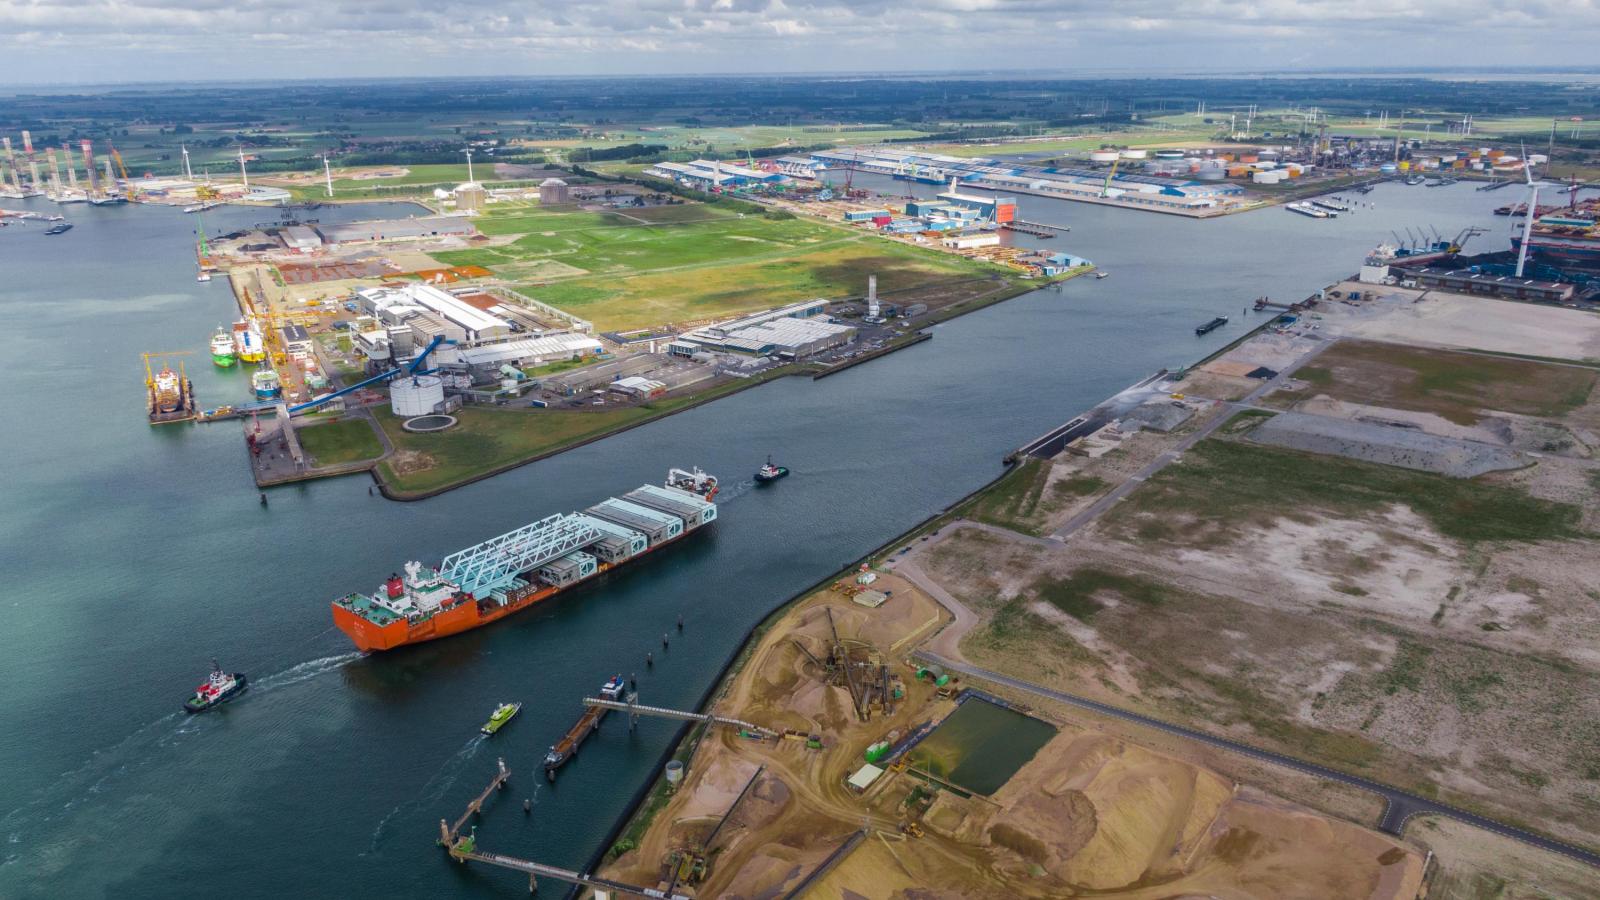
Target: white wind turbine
x: 1532, y: 212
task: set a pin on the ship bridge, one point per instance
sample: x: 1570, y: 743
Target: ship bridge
x: 481, y: 568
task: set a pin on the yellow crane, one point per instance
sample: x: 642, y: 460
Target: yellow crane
x: 118, y: 157
x: 1105, y: 191
x: 150, y: 375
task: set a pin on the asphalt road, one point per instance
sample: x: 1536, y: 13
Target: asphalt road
x: 1400, y: 805
x: 1127, y: 487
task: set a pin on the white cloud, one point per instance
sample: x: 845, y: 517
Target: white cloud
x: 142, y: 39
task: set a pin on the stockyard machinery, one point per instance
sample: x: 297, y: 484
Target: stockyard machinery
x: 859, y: 667
x: 691, y: 864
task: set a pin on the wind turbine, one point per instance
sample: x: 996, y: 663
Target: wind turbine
x: 1533, y: 212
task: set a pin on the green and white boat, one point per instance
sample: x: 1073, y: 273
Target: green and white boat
x: 222, y: 349
x: 500, y: 717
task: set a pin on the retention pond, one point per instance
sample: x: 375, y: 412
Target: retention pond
x: 981, y: 745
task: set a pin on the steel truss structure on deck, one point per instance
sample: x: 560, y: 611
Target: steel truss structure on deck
x: 481, y: 568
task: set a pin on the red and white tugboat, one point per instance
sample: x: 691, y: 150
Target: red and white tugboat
x: 694, y: 481
x: 769, y: 472
x: 219, y: 688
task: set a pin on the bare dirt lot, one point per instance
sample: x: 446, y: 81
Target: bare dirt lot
x: 1463, y: 322
x: 1479, y: 865
x: 1440, y: 633
x: 1090, y: 812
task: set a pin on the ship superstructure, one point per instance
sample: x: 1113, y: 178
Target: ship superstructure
x: 247, y: 341
x: 222, y: 349
x: 489, y: 581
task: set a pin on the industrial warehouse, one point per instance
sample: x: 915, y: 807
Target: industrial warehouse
x: 791, y: 332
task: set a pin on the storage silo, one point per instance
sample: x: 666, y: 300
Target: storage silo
x: 416, y: 395
x: 1103, y: 157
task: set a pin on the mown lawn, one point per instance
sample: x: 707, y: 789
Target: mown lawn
x: 489, y: 438
x: 344, y: 441
x: 716, y: 291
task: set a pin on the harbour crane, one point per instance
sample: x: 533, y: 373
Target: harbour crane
x: 1105, y: 190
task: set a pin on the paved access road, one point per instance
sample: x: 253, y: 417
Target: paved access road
x: 1401, y: 805
x: 1122, y: 490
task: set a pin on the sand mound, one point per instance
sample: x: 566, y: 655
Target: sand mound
x: 1389, y: 445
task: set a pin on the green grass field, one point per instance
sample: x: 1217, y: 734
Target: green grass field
x: 488, y: 438
x: 344, y: 441
x: 696, y: 262
x: 724, y: 288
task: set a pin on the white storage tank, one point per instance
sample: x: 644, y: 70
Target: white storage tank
x: 1106, y: 157
x: 1134, y: 154
x: 416, y: 395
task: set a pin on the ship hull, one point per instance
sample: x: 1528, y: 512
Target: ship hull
x: 370, y: 637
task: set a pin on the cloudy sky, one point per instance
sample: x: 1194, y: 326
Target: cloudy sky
x: 138, y: 40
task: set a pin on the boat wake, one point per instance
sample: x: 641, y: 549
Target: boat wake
x: 433, y: 791
x: 303, y: 672
x: 95, y: 775
x: 143, y: 749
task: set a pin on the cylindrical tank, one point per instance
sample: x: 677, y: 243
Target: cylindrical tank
x: 416, y: 395
x: 1169, y: 154
x: 1134, y: 154
x: 674, y: 771
x: 1103, y: 156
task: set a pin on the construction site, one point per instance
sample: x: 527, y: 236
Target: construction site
x: 894, y: 776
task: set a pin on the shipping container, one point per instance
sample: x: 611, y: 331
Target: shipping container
x: 657, y: 526
x: 573, y: 567
x: 694, y: 511
x: 616, y: 543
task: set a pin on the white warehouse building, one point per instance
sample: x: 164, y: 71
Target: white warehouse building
x: 393, y: 304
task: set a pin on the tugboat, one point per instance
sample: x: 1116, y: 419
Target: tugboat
x: 693, y: 481
x: 770, y: 472
x: 220, y: 687
x: 500, y: 717
x: 1102, y: 274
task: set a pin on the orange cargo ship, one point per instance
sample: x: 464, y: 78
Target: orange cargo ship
x: 514, y: 571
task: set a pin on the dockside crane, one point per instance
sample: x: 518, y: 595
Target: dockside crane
x: 1105, y: 190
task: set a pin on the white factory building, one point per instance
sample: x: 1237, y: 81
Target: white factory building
x: 793, y: 331
x: 441, y: 312
x: 407, y: 318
